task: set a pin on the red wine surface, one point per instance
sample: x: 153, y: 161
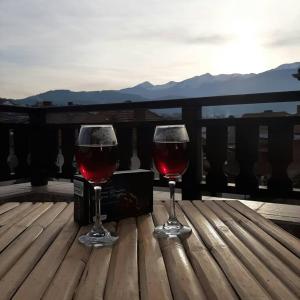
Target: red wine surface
x: 171, y: 159
x: 95, y: 163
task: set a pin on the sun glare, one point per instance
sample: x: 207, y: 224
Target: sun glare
x: 243, y: 53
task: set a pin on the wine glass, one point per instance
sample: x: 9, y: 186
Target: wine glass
x: 96, y: 156
x: 170, y: 155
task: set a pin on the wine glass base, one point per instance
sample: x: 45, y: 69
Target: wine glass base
x: 94, y: 239
x: 165, y: 231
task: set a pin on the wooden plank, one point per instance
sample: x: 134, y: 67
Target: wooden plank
x: 211, y: 276
x: 50, y: 214
x: 252, y: 254
x: 8, y: 236
x: 69, y: 273
x: 16, y: 275
x: 274, y: 211
x: 154, y: 283
x: 239, y: 276
x: 122, y: 279
x: 12, y: 191
x: 183, y: 280
x: 8, y: 206
x: 281, y: 219
x: 273, y: 245
x: 255, y: 205
x: 18, y: 217
x: 281, y: 209
x: 13, y: 213
x: 275, y: 231
x: 17, y: 248
x: 284, y: 212
x: 41, y: 276
x: 93, y: 279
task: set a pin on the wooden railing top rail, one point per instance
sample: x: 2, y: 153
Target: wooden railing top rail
x: 289, y: 96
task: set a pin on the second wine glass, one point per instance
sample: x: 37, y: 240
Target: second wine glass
x: 170, y: 154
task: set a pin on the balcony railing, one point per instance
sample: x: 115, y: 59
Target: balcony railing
x: 226, y: 154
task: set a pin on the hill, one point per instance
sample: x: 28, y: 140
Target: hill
x: 274, y: 80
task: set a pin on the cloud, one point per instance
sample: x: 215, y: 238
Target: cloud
x: 178, y: 36
x: 212, y: 39
x: 285, y: 39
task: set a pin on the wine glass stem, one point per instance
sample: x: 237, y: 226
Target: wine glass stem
x: 172, y: 184
x: 98, y: 227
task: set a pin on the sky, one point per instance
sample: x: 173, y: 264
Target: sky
x: 100, y: 44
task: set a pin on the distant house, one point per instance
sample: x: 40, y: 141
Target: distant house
x: 266, y: 113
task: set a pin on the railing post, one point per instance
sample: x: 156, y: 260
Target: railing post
x: 216, y: 145
x: 4, y: 151
x: 21, y: 141
x: 68, y: 150
x: 247, y: 135
x: 280, y: 156
x: 144, y: 139
x: 38, y: 148
x: 144, y: 145
x: 192, y: 178
x: 125, y: 145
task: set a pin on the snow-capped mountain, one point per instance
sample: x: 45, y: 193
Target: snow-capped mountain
x: 274, y: 80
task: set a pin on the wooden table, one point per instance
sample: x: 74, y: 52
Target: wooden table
x: 232, y: 253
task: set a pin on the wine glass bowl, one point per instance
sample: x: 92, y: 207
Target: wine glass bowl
x: 171, y: 159
x: 96, y: 163
x: 96, y: 156
x: 170, y: 155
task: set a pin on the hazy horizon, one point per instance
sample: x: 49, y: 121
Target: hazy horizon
x: 95, y: 45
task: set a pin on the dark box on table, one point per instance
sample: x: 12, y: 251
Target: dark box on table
x: 127, y: 194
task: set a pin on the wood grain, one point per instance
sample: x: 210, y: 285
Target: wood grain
x: 8, y: 236
x: 11, y: 281
x: 13, y: 213
x: 241, y: 279
x: 227, y: 256
x: 17, y: 248
x: 183, y: 280
x: 68, y: 275
x: 51, y: 214
x: 41, y: 276
x: 291, y: 242
x: 277, y: 248
x: 8, y: 206
x: 154, y: 283
x: 93, y: 279
x: 19, y: 216
x: 242, y: 243
x: 122, y: 280
x: 211, y: 276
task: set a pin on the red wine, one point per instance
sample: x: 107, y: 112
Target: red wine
x: 171, y: 159
x: 96, y: 163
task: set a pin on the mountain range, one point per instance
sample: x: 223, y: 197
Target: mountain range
x: 274, y: 80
